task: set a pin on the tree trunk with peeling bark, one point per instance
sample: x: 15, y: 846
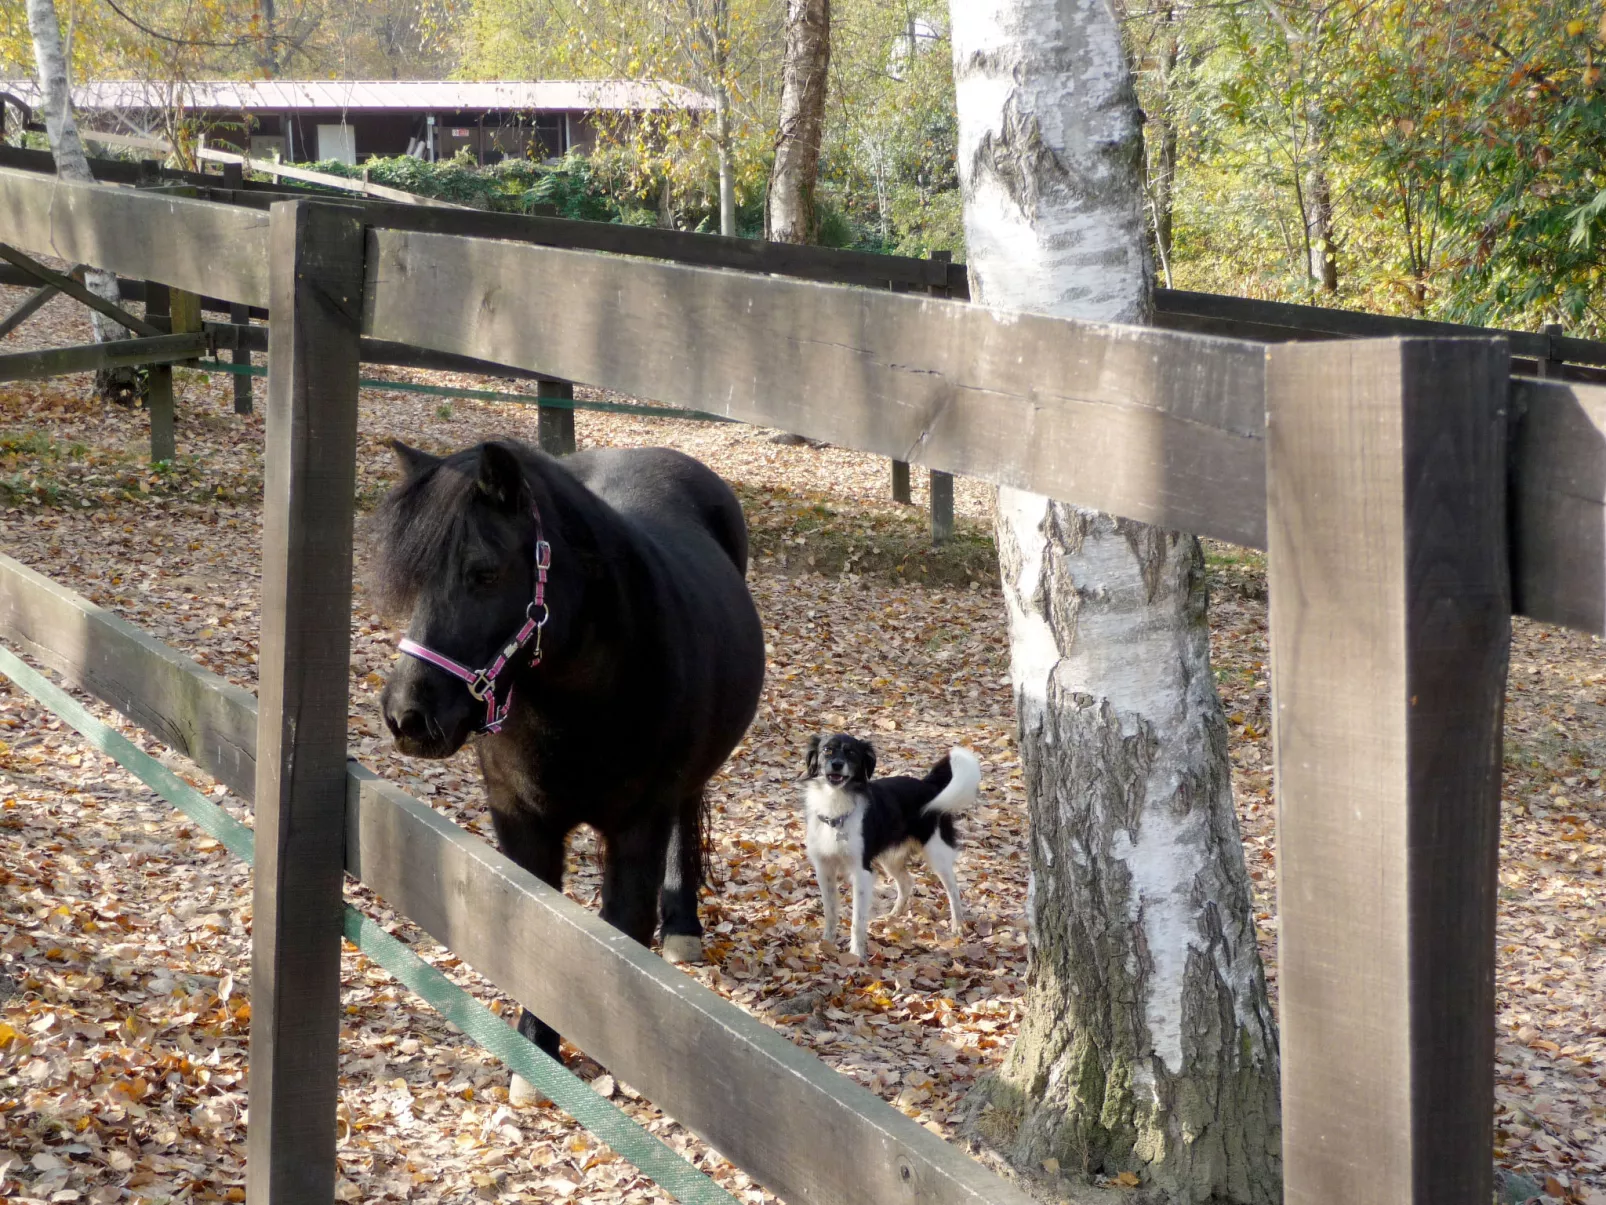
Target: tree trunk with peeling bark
x: 1148, y: 1045
x: 55, y: 106
x: 792, y: 216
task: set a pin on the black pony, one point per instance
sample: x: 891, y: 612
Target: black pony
x: 591, y: 619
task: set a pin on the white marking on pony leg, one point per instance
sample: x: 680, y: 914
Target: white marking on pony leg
x: 863, y: 893
x: 941, y: 857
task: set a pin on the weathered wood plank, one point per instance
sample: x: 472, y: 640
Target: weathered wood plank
x: 91, y: 357
x: 1156, y: 426
x: 1390, y: 626
x: 184, y: 706
x: 1558, y: 503
x: 760, y: 1101
x: 309, y: 480
x: 193, y: 245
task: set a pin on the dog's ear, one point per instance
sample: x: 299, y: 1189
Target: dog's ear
x: 813, y: 757
x: 869, y: 760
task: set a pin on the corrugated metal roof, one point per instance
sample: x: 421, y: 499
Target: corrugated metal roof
x: 280, y: 95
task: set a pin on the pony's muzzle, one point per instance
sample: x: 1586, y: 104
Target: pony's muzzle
x: 413, y: 712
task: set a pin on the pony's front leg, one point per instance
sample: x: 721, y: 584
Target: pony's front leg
x: 539, y: 848
x: 632, y: 875
x: 683, y: 877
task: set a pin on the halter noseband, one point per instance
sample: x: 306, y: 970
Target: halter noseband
x: 482, y: 682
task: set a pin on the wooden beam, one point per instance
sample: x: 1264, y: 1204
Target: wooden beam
x: 555, y: 424
x: 193, y: 245
x: 1558, y: 502
x: 78, y: 292
x: 1152, y: 425
x: 1390, y: 627
x: 187, y: 708
x: 29, y: 307
x: 240, y: 315
x: 159, y: 382
x: 942, y: 508
x: 900, y: 482
x: 760, y: 1101
x: 309, y: 482
x: 92, y: 357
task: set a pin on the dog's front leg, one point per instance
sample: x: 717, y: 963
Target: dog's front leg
x: 825, y: 872
x: 863, y: 895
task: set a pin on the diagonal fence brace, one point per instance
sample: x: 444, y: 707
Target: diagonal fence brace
x: 77, y: 292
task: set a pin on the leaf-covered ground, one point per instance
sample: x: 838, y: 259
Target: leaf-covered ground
x: 124, y: 932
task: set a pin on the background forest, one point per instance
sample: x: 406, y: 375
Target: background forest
x: 1443, y: 158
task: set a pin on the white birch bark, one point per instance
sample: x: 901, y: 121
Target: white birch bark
x: 71, y: 163
x: 1148, y: 1044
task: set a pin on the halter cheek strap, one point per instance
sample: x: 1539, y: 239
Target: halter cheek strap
x: 482, y: 682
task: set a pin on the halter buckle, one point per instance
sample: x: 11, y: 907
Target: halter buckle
x: 543, y: 555
x: 481, y: 686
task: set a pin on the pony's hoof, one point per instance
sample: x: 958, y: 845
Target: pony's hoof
x: 521, y: 1091
x: 683, y: 947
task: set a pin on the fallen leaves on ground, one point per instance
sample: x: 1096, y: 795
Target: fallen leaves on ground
x: 124, y: 931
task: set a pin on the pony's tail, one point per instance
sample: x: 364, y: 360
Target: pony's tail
x: 707, y: 864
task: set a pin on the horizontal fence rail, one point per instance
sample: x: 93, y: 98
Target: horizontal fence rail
x: 190, y: 245
x: 1153, y: 425
x: 763, y: 1103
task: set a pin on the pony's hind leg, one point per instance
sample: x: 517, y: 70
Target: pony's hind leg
x: 684, y: 867
x: 538, y: 848
x: 633, y: 863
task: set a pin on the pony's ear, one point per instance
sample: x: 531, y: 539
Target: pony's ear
x: 414, y: 462
x: 869, y: 760
x: 501, y: 478
x: 814, y: 756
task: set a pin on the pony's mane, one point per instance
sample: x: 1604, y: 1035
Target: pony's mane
x: 425, y: 524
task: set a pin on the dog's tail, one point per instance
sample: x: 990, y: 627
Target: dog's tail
x: 964, y: 779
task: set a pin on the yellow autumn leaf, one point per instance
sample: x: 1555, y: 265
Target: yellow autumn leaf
x: 1574, y: 28
x: 8, y: 1035
x: 1127, y: 1180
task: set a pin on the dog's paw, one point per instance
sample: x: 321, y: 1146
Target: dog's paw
x: 683, y: 947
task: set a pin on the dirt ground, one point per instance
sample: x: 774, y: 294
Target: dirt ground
x: 124, y: 931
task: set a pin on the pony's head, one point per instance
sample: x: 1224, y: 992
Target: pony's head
x: 455, y: 547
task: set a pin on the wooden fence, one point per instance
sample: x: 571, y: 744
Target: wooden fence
x: 1410, y: 492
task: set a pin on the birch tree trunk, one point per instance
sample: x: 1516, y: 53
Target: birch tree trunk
x: 55, y: 106
x: 792, y: 216
x: 727, y: 159
x: 1148, y: 1044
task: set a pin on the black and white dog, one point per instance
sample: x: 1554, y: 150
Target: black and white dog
x: 854, y: 824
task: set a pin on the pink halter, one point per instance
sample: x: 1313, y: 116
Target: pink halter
x: 482, y: 682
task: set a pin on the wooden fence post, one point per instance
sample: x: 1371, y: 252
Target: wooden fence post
x: 159, y: 379
x: 1551, y: 365
x: 316, y: 267
x: 942, y: 507
x: 1390, y: 631
x: 240, y: 315
x: 555, y: 424
x: 900, y: 482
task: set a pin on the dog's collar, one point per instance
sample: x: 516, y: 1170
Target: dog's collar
x: 835, y: 821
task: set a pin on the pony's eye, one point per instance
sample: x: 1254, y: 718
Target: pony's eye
x: 483, y: 578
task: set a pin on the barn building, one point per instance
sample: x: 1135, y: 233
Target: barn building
x: 353, y: 120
